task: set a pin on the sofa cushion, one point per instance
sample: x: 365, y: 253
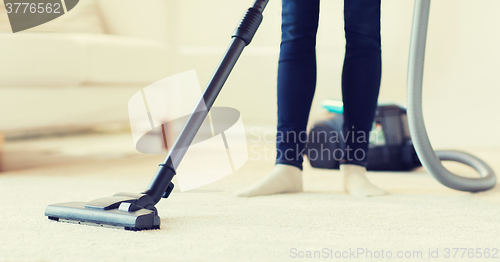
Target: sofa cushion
x: 52, y: 59
x: 36, y: 108
x: 117, y: 59
x: 40, y: 59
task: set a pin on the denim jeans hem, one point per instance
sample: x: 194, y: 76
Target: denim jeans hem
x: 353, y: 162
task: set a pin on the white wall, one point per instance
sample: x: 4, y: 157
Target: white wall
x: 461, y: 74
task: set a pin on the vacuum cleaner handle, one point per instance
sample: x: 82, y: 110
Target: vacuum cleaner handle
x: 242, y: 36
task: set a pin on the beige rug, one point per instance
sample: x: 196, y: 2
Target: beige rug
x: 208, y: 224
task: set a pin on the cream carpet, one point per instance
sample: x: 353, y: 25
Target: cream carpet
x: 208, y: 224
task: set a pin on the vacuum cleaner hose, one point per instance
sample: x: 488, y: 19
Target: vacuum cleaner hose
x: 432, y: 160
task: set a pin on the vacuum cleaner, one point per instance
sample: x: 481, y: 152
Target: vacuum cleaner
x: 390, y: 148
x: 405, y: 144
x: 136, y: 211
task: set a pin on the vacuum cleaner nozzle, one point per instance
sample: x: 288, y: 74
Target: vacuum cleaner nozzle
x: 128, y: 211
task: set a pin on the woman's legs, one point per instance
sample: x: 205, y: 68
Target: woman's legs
x: 361, y: 75
x: 296, y: 85
x: 360, y: 87
x: 296, y: 78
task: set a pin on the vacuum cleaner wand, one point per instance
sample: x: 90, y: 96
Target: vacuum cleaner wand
x: 137, y: 211
x: 242, y: 37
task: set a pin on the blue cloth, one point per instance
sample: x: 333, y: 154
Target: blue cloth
x: 297, y: 77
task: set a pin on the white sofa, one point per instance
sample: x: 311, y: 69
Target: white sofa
x: 82, y: 76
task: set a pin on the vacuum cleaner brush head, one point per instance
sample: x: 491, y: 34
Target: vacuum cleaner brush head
x: 128, y: 211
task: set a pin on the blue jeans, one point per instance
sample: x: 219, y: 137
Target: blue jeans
x: 297, y: 77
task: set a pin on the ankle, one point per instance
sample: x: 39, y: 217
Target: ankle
x: 347, y: 169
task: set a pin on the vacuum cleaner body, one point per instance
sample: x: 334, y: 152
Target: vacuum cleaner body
x: 391, y: 148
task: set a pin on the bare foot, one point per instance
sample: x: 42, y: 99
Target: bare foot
x: 283, y: 179
x: 356, y: 183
